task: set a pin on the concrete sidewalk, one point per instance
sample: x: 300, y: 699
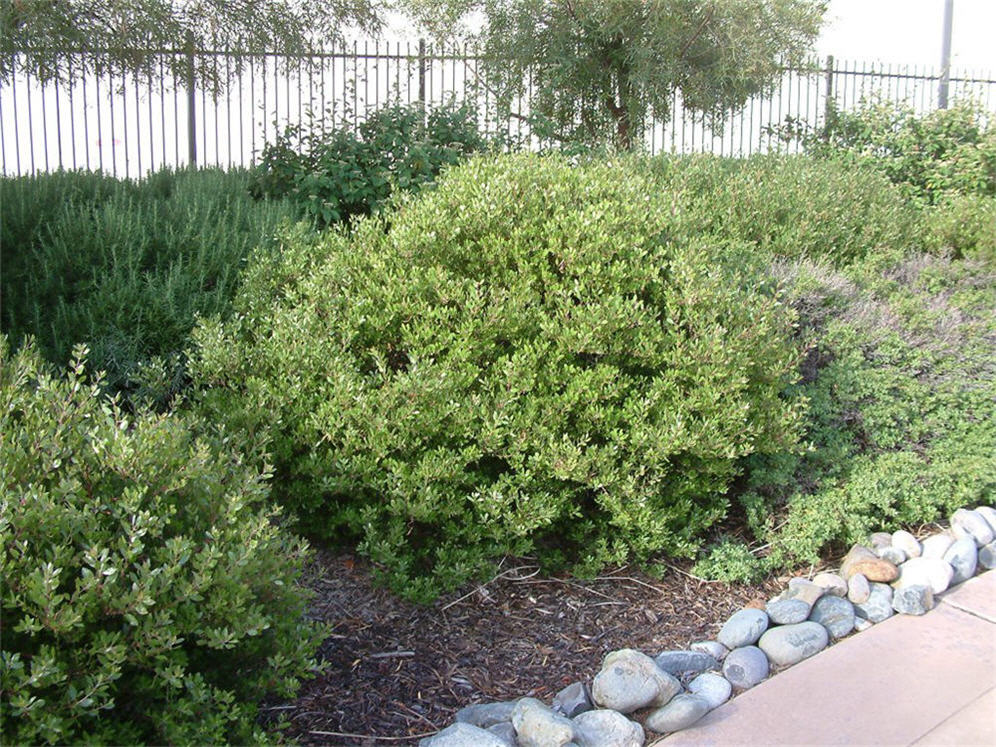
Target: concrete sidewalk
x: 928, y: 680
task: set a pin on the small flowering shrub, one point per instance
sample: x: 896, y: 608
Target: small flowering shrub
x: 520, y: 361
x: 148, y: 596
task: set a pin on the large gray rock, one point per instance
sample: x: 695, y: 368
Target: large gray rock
x: 858, y: 589
x: 743, y: 628
x: 936, y: 545
x: 878, y: 606
x: 462, y: 734
x: 834, y: 583
x: 973, y: 524
x: 486, y: 714
x: 913, y: 600
x: 713, y: 687
x: 683, y: 662
x: 539, y: 726
x: 987, y: 556
x: 989, y: 514
x: 804, y: 589
x: 607, y: 728
x: 963, y: 557
x: 834, y: 614
x: 926, y: 570
x: 681, y: 712
x: 715, y: 649
x: 505, y: 732
x: 790, y: 644
x: 630, y: 680
x: 787, y: 611
x: 893, y: 554
x: 879, y: 539
x: 572, y: 700
x: 907, y: 543
x: 746, y: 666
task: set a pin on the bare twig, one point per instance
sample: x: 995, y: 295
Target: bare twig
x: 503, y: 574
x: 391, y: 654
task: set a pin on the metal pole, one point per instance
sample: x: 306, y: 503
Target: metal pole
x: 421, y: 71
x: 829, y: 107
x: 191, y: 104
x: 942, y: 91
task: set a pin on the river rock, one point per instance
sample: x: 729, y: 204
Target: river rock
x: 834, y: 614
x: 987, y: 556
x: 606, y: 728
x: 505, y: 732
x: 860, y: 559
x: 630, y: 680
x: 743, y: 628
x: 974, y: 524
x: 715, y: 649
x: 787, y: 611
x: 861, y: 624
x: 928, y: 570
x: 917, y: 599
x: 989, y: 514
x: 790, y: 644
x: 878, y: 606
x: 804, y: 589
x: 879, y: 539
x: 681, y: 712
x: 683, y: 662
x: 746, y: 666
x: 936, y: 545
x: 907, y: 543
x: 572, y: 700
x: 832, y: 582
x: 536, y: 725
x: 713, y: 687
x: 484, y: 715
x: 858, y: 588
x: 462, y: 734
x: 963, y: 557
x: 893, y: 554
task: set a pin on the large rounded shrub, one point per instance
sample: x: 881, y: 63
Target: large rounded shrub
x: 148, y: 596
x: 520, y: 361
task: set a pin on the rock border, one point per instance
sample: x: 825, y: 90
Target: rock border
x: 633, y: 694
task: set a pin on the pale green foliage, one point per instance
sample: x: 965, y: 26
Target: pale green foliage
x: 148, y: 594
x: 520, y: 361
x: 596, y: 69
x: 963, y: 225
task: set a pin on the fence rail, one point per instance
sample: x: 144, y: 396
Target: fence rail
x: 130, y: 124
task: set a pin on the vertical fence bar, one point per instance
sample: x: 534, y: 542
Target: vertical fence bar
x: 421, y: 71
x: 191, y: 105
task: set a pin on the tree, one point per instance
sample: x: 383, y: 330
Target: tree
x: 64, y: 39
x: 598, y: 68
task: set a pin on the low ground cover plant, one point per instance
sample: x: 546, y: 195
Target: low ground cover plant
x: 335, y: 174
x: 523, y: 360
x: 148, y: 592
x: 123, y: 266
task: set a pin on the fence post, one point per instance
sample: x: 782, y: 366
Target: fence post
x: 421, y: 72
x: 191, y: 104
x: 828, y: 107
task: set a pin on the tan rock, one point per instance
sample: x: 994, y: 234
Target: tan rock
x: 862, y: 560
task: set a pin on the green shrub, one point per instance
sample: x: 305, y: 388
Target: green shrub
x: 520, y: 361
x: 124, y: 267
x: 148, y: 596
x: 335, y: 175
x: 964, y: 226
x: 789, y: 206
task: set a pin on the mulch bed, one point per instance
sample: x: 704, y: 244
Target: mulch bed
x: 399, y: 671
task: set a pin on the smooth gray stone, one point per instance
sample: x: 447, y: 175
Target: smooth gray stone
x: 681, y: 662
x: 683, y: 711
x: 858, y: 588
x: 536, y: 725
x: 504, y: 731
x: 893, y: 554
x: 715, y: 649
x: 834, y: 614
x: 878, y: 606
x: 974, y: 524
x: 989, y: 514
x: 861, y: 624
x: 963, y: 557
x: 715, y: 688
x: 572, y: 700
x: 913, y: 600
x: 746, y: 666
x: 936, y: 545
x: 907, y: 543
x: 630, y: 680
x: 462, y: 734
x: 743, y: 628
x: 834, y: 583
x: 787, y: 611
x: 790, y: 644
x: 987, y: 556
x: 933, y: 572
x: 486, y: 714
x: 804, y: 589
x: 607, y: 728
x: 879, y: 539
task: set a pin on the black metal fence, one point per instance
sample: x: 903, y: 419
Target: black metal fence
x: 130, y: 124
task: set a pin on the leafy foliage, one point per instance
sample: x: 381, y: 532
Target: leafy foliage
x: 148, y: 594
x: 333, y: 176
x: 125, y: 267
x: 963, y: 225
x: 520, y: 361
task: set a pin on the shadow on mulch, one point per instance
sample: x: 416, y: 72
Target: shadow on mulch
x: 399, y: 671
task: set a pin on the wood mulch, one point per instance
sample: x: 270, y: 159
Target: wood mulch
x: 397, y: 671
